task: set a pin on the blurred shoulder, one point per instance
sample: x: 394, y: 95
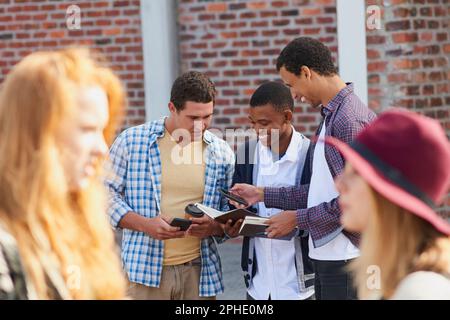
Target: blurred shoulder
x: 423, y: 285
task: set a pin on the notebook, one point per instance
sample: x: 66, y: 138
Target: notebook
x: 256, y: 227
x: 224, y: 216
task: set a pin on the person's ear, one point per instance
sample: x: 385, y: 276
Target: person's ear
x: 172, y: 107
x: 305, y: 72
x: 288, y: 115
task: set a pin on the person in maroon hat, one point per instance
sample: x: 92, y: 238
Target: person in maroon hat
x: 397, y: 172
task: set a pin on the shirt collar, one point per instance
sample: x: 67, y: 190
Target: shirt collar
x: 336, y: 101
x: 292, y: 150
x: 160, y: 129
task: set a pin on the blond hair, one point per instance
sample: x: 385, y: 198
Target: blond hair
x: 397, y: 243
x: 64, y: 237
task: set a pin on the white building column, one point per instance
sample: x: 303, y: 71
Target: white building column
x: 351, y: 32
x: 160, y: 50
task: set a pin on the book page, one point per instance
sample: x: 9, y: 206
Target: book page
x: 255, y: 220
x: 213, y: 213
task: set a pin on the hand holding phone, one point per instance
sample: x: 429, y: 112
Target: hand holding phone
x: 183, y: 224
x: 233, y: 197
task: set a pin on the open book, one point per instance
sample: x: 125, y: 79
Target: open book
x: 256, y: 227
x: 223, y: 217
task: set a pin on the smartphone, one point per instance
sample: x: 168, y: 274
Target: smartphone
x: 233, y: 197
x: 183, y: 224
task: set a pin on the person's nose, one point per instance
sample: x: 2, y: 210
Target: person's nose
x: 293, y: 94
x: 199, y: 126
x: 257, y: 127
x: 101, y: 148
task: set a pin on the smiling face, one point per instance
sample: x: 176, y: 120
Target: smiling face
x: 357, y: 200
x: 301, y: 86
x: 80, y: 137
x: 266, y: 120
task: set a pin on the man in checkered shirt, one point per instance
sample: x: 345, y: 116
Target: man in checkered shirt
x: 160, y: 167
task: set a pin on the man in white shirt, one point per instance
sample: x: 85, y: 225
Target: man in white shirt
x: 274, y: 269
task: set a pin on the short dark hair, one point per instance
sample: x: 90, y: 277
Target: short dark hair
x: 307, y: 52
x: 192, y: 86
x: 275, y: 93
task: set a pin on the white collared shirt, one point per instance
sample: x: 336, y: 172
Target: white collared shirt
x: 276, y: 273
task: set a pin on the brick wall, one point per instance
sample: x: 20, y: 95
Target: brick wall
x: 112, y: 27
x: 236, y: 44
x: 408, y: 60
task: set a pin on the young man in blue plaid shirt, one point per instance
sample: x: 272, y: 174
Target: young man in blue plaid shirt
x: 160, y: 167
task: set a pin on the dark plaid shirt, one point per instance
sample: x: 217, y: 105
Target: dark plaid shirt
x: 344, y: 117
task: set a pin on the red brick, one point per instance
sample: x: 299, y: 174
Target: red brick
x: 240, y: 44
x: 291, y: 32
x: 311, y: 31
x: 218, y: 45
x: 280, y: 22
x: 216, y: 7
x: 376, y: 66
x: 447, y: 48
x: 270, y: 33
x: 240, y: 63
x: 311, y: 11
x: 248, y: 15
x: 406, y: 64
x: 257, y: 5
x: 398, y: 25
x: 231, y: 111
x: 324, y: 20
x: 229, y: 35
x: 405, y: 37
x: 259, y: 24
x: 112, y: 32
x: 57, y: 34
x: 227, y: 16
x: 279, y: 4
x: 373, y: 78
x: 249, y: 34
x: 304, y: 21
x: 47, y: 7
x: 375, y: 39
x: 250, y: 53
x: 220, y: 64
x: 373, y: 54
x: 238, y: 25
x: 426, y: 36
x: 398, y: 77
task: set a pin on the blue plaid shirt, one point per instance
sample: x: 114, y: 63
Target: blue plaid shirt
x: 136, y: 186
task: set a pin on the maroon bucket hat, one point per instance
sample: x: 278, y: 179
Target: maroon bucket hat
x: 406, y: 158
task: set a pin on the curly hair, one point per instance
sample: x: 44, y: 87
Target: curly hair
x: 307, y: 52
x: 192, y: 86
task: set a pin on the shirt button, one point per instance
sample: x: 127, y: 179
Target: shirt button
x: 250, y: 261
